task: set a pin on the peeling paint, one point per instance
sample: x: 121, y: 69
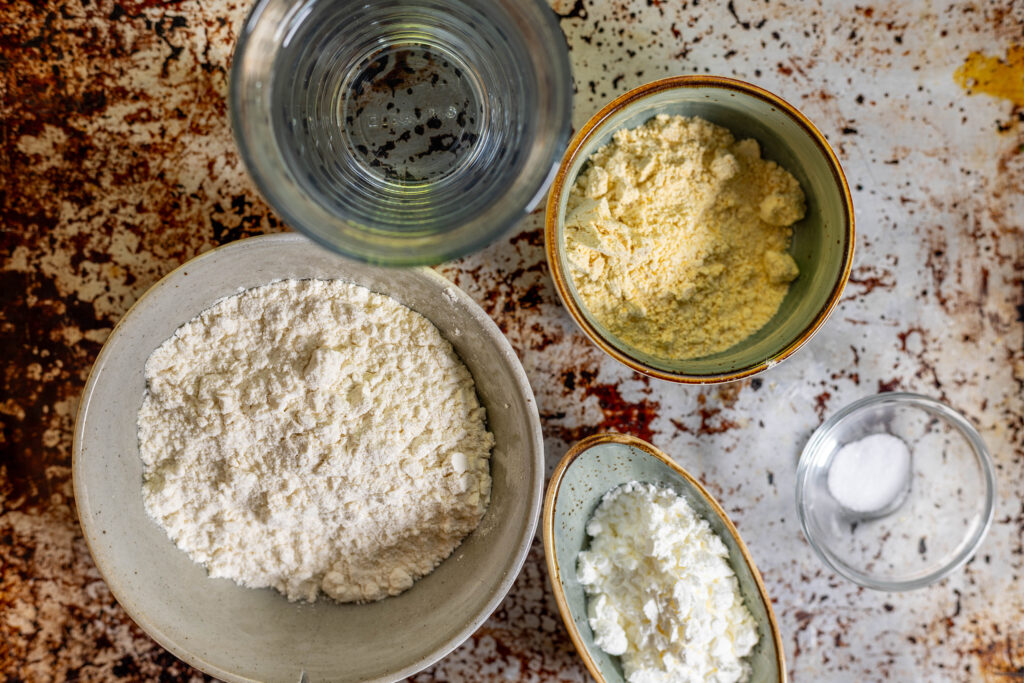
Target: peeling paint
x: 1001, y: 77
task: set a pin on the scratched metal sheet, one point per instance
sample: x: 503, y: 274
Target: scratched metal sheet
x: 116, y: 165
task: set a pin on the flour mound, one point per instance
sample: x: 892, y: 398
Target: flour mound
x: 310, y: 435
x: 677, y: 237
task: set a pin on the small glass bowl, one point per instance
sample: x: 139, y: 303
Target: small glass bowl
x: 933, y: 527
x: 401, y: 132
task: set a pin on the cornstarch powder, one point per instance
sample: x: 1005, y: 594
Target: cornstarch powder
x: 313, y: 436
x: 660, y: 591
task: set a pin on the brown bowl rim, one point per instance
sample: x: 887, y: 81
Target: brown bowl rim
x: 560, y: 278
x: 555, y: 573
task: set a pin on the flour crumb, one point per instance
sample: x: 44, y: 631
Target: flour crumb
x: 312, y: 436
x: 676, y: 237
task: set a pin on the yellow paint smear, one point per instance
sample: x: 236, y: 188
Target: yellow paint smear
x: 1001, y: 77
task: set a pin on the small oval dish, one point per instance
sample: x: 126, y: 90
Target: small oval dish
x: 822, y: 243
x: 591, y: 468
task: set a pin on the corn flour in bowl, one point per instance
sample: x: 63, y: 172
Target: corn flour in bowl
x: 676, y: 234
x: 699, y: 230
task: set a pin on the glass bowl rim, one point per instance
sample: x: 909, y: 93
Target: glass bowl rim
x: 811, y: 453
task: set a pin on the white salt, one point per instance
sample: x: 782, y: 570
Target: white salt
x: 868, y: 474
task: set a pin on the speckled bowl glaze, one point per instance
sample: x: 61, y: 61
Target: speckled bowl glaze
x: 822, y: 243
x: 240, y: 634
x: 593, y: 467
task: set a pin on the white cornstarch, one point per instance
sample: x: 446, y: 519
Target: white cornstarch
x: 312, y: 436
x: 661, y: 593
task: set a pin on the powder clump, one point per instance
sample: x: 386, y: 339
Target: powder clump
x: 661, y: 593
x: 869, y: 474
x: 677, y: 237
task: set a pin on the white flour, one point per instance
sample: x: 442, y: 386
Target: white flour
x: 310, y: 435
x: 661, y: 593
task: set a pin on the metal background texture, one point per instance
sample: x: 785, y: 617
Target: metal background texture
x: 117, y: 164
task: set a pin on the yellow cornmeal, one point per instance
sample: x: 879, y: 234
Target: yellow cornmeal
x: 677, y: 237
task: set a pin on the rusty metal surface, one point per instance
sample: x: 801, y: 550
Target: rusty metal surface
x: 116, y: 165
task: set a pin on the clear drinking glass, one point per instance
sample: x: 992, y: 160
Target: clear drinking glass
x: 401, y: 132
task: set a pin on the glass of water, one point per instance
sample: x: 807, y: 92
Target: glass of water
x: 401, y: 132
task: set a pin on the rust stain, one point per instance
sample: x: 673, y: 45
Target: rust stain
x: 1002, y: 660
x: 885, y: 386
x: 821, y: 404
x: 569, y: 9
x: 711, y: 419
x: 869, y: 278
x: 618, y: 414
x: 103, y: 204
x: 998, y: 656
x: 712, y: 422
x: 60, y: 621
x: 524, y: 639
x: 803, y: 621
x: 728, y: 394
x: 938, y: 263
x: 117, y: 166
x: 914, y: 341
x: 908, y: 333
x: 534, y: 238
x: 32, y: 425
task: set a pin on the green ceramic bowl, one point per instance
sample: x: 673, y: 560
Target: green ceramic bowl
x: 598, y: 464
x: 822, y: 243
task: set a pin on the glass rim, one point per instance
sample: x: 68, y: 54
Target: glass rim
x: 382, y: 242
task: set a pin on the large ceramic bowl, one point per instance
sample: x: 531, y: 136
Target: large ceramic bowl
x: 590, y: 469
x: 241, y: 634
x: 822, y: 243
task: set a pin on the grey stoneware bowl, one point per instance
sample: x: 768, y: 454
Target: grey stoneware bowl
x: 822, y: 243
x: 590, y: 469
x: 242, y: 634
